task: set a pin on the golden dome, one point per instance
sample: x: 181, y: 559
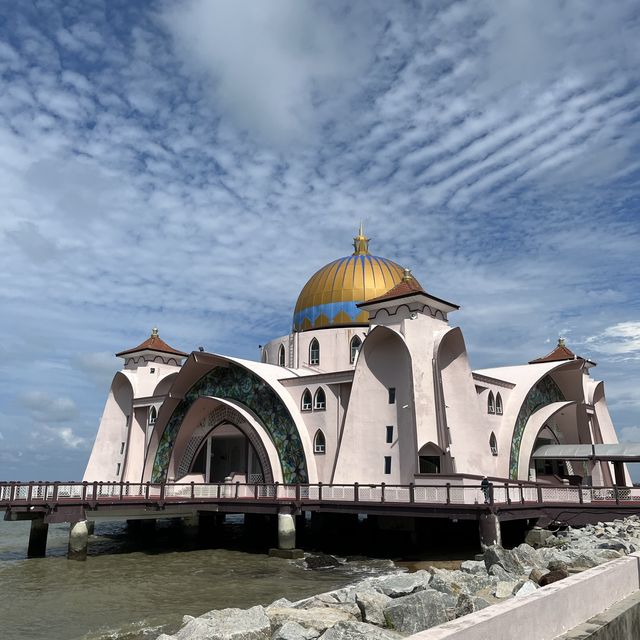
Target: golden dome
x: 330, y: 296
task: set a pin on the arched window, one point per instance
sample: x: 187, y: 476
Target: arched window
x: 306, y: 400
x: 320, y: 400
x: 314, y: 352
x: 493, y: 444
x: 319, y: 442
x: 491, y: 403
x: 356, y: 343
x: 498, y: 404
x: 281, y: 355
x: 265, y: 357
x: 153, y: 414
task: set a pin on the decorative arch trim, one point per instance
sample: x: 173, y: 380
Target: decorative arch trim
x: 545, y: 392
x: 234, y: 382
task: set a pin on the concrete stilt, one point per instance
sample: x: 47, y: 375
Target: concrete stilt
x: 91, y: 527
x: 489, y: 530
x: 38, y: 538
x: 286, y: 537
x: 286, y: 531
x: 78, y: 540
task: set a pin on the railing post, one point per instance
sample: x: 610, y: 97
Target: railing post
x: 506, y: 489
x: 448, y: 487
x: 275, y: 490
x: 121, y: 491
x: 356, y: 492
x: 615, y: 493
x: 382, y: 492
x: 580, y: 496
x: 320, y: 491
x: 539, y: 490
x: 146, y: 490
x: 30, y: 492
x: 412, y: 492
x: 491, y: 493
x: 56, y: 485
x: 298, y: 491
x: 237, y: 488
x: 521, y: 493
x: 163, y: 488
x: 193, y: 490
x: 256, y: 488
x: 84, y: 491
x: 95, y: 490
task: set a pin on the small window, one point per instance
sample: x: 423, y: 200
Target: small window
x: 387, y: 465
x: 392, y: 395
x: 127, y: 418
x: 306, y: 400
x: 320, y: 400
x: 281, y: 355
x: 314, y: 352
x: 356, y: 343
x: 121, y: 448
x: 319, y: 442
x: 390, y: 434
x: 152, y: 370
x: 118, y: 469
x: 153, y: 414
x: 429, y: 464
x: 499, y: 404
x: 493, y: 444
x: 491, y: 403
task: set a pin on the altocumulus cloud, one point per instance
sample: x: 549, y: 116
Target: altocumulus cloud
x: 190, y: 165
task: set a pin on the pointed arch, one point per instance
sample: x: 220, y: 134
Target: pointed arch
x: 153, y: 415
x: 320, y: 400
x: 319, y: 442
x: 491, y: 403
x: 493, y: 444
x: 314, y: 352
x: 307, y: 401
x: 498, y: 404
x: 281, y: 356
x: 355, y: 346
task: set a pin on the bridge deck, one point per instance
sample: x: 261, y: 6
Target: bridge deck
x: 69, y: 502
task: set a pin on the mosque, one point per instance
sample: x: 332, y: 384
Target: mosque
x: 371, y: 385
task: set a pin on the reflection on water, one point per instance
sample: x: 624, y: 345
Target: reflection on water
x: 137, y: 587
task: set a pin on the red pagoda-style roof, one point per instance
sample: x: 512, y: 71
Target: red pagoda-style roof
x: 154, y: 343
x: 409, y: 286
x: 561, y: 352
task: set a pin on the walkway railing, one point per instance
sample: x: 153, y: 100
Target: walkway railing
x: 47, y: 493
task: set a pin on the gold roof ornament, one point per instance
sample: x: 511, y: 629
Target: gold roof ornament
x: 361, y: 243
x: 407, y: 275
x: 154, y: 332
x: 561, y: 342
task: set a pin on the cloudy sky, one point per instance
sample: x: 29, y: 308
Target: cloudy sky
x: 190, y: 164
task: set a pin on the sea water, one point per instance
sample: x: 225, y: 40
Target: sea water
x: 132, y: 588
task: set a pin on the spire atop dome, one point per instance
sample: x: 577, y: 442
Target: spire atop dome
x: 361, y: 243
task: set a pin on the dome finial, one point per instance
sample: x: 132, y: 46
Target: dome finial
x: 407, y: 276
x: 361, y: 243
x: 154, y: 332
x: 561, y: 341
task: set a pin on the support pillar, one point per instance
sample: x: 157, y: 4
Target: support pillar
x: 618, y: 470
x: 286, y: 531
x: 38, y: 538
x: 78, y: 540
x: 489, y: 530
x: 286, y: 536
x: 91, y: 527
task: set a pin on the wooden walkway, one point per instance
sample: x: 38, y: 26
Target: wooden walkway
x: 74, y: 501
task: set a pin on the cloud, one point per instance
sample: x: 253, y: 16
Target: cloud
x: 99, y: 367
x: 44, y: 407
x: 274, y: 64
x: 621, y: 339
x: 629, y: 434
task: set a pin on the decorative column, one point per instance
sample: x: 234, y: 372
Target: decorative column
x: 38, y: 538
x: 78, y: 540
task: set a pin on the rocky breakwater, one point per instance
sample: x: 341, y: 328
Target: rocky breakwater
x: 400, y: 604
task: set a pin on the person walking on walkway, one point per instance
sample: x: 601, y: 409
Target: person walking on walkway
x: 485, y: 485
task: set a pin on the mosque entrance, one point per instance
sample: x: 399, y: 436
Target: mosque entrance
x: 228, y: 453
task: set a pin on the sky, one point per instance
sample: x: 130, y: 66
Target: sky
x: 189, y: 165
